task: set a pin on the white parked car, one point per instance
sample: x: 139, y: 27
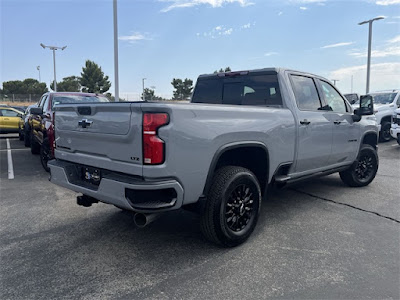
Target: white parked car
x: 395, y: 129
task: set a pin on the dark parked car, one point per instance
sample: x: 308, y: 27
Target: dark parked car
x: 352, y: 98
x: 23, y: 125
x: 41, y: 121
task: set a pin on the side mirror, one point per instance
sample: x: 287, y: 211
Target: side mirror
x: 366, y: 106
x: 37, y: 111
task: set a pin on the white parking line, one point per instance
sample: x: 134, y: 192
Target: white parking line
x: 10, y: 163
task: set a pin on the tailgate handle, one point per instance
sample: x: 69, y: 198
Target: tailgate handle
x: 85, y: 110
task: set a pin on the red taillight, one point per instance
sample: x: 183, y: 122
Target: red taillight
x: 153, y: 146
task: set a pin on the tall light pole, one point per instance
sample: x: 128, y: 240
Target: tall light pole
x: 116, y: 79
x: 369, y: 46
x: 143, y: 79
x: 334, y: 81
x: 38, y: 68
x: 54, y: 48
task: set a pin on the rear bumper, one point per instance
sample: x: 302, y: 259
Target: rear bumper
x: 129, y: 193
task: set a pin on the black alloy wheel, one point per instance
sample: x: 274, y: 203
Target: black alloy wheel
x: 239, y: 208
x: 363, y: 171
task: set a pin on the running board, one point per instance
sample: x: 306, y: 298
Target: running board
x: 287, y: 179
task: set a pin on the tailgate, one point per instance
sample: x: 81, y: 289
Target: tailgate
x: 103, y: 135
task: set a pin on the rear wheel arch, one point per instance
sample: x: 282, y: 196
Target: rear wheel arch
x: 251, y: 155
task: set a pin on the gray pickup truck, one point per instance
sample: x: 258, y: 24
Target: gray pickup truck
x: 241, y: 133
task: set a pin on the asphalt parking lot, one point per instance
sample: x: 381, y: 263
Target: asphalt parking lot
x: 316, y: 240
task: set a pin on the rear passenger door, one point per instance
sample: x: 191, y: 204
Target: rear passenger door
x: 314, y: 129
x: 345, y: 132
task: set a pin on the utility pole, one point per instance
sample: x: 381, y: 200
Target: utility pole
x: 334, y: 81
x: 369, y: 47
x: 351, y: 91
x: 54, y: 48
x: 116, y: 79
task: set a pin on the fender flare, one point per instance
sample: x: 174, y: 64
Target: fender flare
x: 228, y: 147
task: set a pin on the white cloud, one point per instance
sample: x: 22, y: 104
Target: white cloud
x: 227, y: 32
x: 337, y: 45
x: 246, y: 26
x: 270, y: 53
x: 218, y: 28
x: 134, y: 37
x: 303, y: 8
x: 394, y: 40
x: 192, y: 3
x: 280, y: 13
x: 387, y: 2
x: 390, y: 48
x: 383, y: 76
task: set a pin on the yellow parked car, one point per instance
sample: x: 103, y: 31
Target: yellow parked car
x: 9, y: 119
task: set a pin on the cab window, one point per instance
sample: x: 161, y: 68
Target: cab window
x: 306, y: 94
x: 333, y: 98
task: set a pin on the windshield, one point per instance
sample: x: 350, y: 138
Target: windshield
x: 63, y: 99
x: 386, y: 98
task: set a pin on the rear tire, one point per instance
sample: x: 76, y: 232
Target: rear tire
x: 27, y: 137
x: 384, y: 135
x: 363, y: 170
x: 232, y: 206
x: 35, y: 146
x: 45, y: 154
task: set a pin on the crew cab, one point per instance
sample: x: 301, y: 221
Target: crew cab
x: 241, y: 133
x: 39, y: 129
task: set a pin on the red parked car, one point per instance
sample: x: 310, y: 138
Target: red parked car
x: 40, y: 129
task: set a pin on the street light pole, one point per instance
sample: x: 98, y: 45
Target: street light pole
x: 369, y: 47
x: 334, y: 81
x: 116, y: 79
x: 54, y: 48
x: 144, y: 97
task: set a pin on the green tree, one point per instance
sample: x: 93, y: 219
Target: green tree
x: 227, y: 69
x: 27, y: 86
x: 183, y: 88
x: 93, y: 79
x: 149, y: 95
x: 68, y: 84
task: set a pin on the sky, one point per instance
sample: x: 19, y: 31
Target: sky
x: 164, y: 39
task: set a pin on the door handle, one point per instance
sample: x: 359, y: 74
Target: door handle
x: 337, y: 122
x: 305, y: 122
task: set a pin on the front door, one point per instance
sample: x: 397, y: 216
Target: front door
x: 315, y: 130
x: 345, y: 130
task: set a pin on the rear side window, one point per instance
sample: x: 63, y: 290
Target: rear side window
x: 255, y: 90
x: 306, y: 93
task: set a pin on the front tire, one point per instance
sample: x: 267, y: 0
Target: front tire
x: 232, y: 206
x: 363, y: 170
x: 35, y: 146
x: 384, y: 135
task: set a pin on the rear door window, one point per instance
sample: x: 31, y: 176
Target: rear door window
x: 306, y: 94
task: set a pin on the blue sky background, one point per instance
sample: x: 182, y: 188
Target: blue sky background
x: 166, y: 39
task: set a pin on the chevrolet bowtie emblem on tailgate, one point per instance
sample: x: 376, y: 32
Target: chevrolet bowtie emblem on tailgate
x: 85, y: 123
